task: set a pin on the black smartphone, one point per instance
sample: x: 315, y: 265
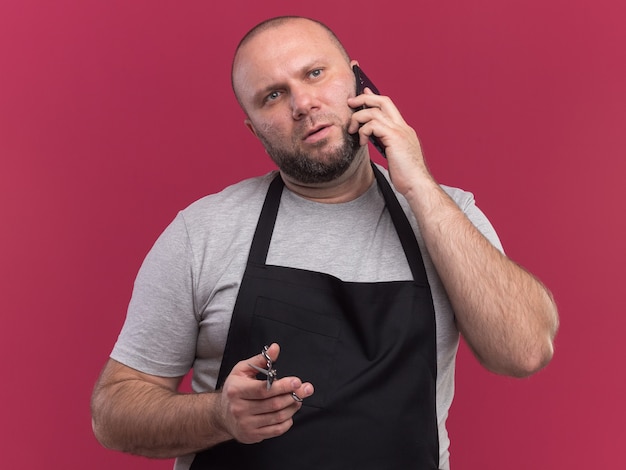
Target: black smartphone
x: 361, y: 82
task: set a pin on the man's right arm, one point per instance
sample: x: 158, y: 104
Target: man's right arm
x: 143, y: 414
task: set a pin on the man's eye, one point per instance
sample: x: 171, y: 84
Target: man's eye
x: 272, y: 96
x: 316, y: 73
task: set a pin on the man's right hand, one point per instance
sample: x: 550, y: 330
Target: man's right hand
x: 249, y: 412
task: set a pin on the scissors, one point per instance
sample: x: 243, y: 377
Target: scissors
x: 270, y: 372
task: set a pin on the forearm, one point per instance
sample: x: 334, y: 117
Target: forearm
x: 507, y: 317
x: 147, y: 419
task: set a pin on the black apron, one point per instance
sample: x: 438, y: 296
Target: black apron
x: 369, y: 349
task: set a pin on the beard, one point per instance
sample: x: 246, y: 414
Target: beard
x: 305, y: 168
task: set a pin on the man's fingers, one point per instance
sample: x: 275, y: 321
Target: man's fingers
x: 245, y: 367
x: 268, y: 414
x: 252, y: 412
x: 291, y: 385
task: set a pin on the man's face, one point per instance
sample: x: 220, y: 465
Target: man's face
x: 293, y: 83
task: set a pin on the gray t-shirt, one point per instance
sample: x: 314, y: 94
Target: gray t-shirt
x: 185, y: 291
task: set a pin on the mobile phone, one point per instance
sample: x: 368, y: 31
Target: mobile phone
x: 361, y: 82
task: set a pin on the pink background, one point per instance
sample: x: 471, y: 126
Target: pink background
x: 115, y: 114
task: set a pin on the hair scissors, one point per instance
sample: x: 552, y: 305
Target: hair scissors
x: 270, y: 372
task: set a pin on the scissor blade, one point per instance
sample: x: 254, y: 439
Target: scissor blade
x: 258, y: 369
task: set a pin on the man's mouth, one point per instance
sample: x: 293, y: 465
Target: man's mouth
x: 317, y: 133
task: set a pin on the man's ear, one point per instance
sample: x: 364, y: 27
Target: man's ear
x: 250, y: 127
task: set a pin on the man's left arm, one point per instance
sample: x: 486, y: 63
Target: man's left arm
x: 508, y: 318
x: 506, y: 315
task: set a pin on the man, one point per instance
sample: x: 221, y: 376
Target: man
x: 361, y: 290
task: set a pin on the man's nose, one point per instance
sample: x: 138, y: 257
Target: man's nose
x: 303, y: 100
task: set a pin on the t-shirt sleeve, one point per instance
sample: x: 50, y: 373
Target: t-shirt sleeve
x: 465, y: 200
x: 161, y: 327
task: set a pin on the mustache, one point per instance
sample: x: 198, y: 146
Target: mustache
x: 311, y: 123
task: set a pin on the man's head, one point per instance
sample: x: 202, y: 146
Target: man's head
x: 292, y: 78
x: 275, y: 23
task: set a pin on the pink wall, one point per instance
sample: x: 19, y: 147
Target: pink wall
x: 113, y: 115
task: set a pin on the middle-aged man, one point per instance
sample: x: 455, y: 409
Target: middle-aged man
x: 360, y: 285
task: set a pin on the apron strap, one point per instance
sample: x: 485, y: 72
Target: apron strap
x: 403, y: 227
x: 267, y: 219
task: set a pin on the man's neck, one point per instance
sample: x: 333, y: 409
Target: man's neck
x: 353, y: 183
